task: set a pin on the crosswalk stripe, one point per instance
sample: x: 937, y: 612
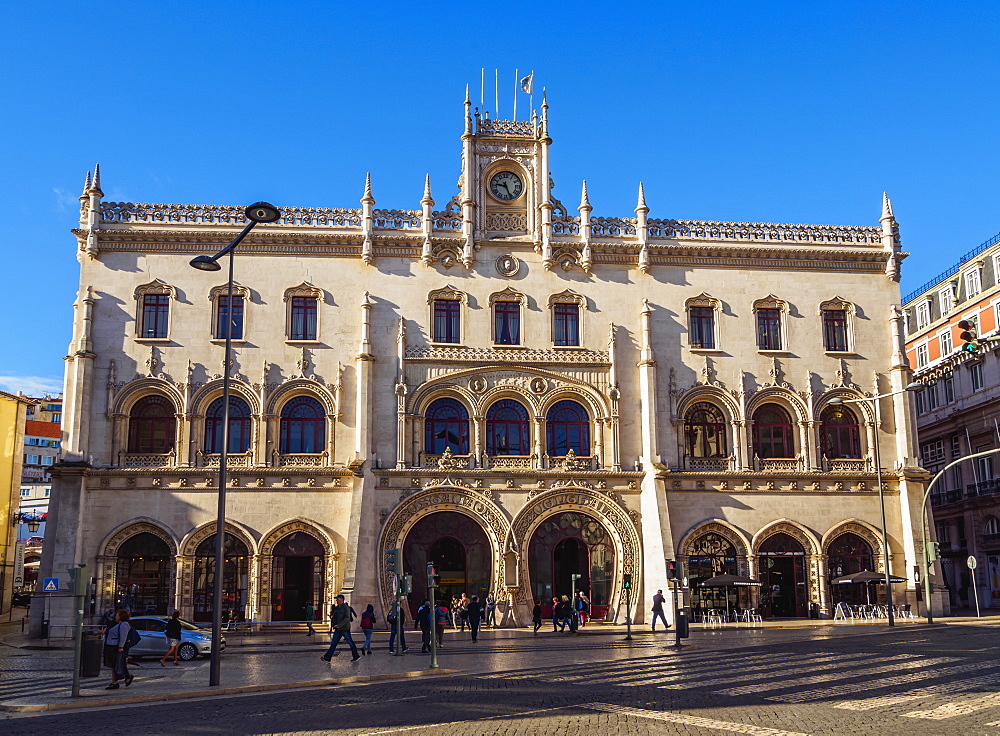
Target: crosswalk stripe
x: 957, y: 708
x: 921, y: 693
x: 780, y: 670
x: 696, y: 721
x: 838, y: 672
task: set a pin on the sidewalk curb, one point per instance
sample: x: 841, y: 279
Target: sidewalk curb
x: 104, y: 702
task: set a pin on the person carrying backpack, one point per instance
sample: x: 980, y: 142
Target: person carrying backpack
x: 367, y: 626
x: 118, y: 639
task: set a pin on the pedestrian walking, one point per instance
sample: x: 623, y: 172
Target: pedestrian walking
x: 463, y: 610
x: 118, y: 639
x: 555, y: 613
x: 454, y: 611
x: 424, y: 617
x: 397, y: 619
x: 536, y: 616
x: 368, y: 626
x: 341, y: 620
x: 475, y: 612
x: 582, y: 604
x: 441, y: 618
x: 658, y: 601
x: 173, y: 632
x: 566, y: 615
x: 310, y: 617
x: 491, y: 610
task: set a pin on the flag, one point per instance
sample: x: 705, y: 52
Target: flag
x: 527, y: 82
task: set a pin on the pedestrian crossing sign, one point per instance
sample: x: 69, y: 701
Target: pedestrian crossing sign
x: 51, y: 585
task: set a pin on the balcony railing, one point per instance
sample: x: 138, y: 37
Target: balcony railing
x: 570, y: 462
x: 146, y: 459
x: 234, y: 460
x: 983, y: 488
x: 510, y: 461
x: 848, y: 465
x: 708, y: 464
x: 446, y: 461
x: 993, y: 539
x: 301, y: 460
x: 779, y: 465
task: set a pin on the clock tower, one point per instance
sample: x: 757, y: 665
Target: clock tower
x: 505, y: 179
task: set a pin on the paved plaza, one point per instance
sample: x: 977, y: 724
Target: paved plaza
x: 916, y: 679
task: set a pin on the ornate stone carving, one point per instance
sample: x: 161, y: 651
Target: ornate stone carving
x: 507, y: 265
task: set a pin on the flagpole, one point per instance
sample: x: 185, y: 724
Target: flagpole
x: 482, y: 88
x: 496, y: 92
x: 516, y: 80
x: 531, y: 94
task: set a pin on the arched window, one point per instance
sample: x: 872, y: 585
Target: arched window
x: 705, y: 431
x: 991, y: 528
x: 303, y: 426
x: 567, y: 428
x: 152, y: 425
x: 239, y: 426
x: 446, y: 427
x: 507, y: 429
x: 772, y: 433
x: 839, y: 433
x: 142, y: 574
x: 235, y: 577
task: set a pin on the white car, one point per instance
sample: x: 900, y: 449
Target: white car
x: 152, y: 629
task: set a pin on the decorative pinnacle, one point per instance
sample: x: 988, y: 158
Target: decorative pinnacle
x: 467, y: 100
x: 428, y: 199
x: 95, y: 184
x: 86, y: 183
x: 642, y: 200
x: 886, y: 208
x: 368, y: 197
x: 584, y: 199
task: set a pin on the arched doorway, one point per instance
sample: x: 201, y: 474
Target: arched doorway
x: 142, y: 574
x: 783, y: 573
x: 849, y: 553
x: 567, y: 545
x: 458, y: 547
x: 711, y: 555
x: 297, y: 576
x: 235, y: 574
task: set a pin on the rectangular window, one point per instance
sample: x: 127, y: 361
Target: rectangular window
x: 32, y: 459
x: 946, y: 344
x: 303, y: 318
x: 921, y: 353
x: 921, y: 402
x: 46, y: 460
x: 223, y: 318
x: 956, y: 478
x: 702, y: 328
x: 973, y: 283
x: 976, y: 376
x: 932, y: 452
x: 947, y: 298
x: 769, y: 329
x: 835, y: 330
x: 948, y: 385
x: 931, y: 397
x: 508, y: 323
x: 923, y: 312
x: 944, y: 533
x: 155, y: 311
x: 567, y: 324
x: 56, y: 418
x: 25, y: 492
x: 447, y: 320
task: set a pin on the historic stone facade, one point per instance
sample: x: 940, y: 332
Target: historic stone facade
x: 536, y: 400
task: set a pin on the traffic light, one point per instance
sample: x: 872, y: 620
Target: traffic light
x: 969, y: 337
x: 933, y: 551
x: 627, y: 581
x: 407, y: 585
x: 671, y: 569
x: 390, y: 559
x: 432, y: 576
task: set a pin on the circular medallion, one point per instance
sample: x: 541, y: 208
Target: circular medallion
x: 508, y: 265
x: 506, y: 186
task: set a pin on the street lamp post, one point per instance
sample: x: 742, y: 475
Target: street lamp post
x: 923, y: 527
x: 878, y: 480
x: 257, y: 212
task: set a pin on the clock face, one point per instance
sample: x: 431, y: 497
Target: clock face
x: 506, y: 186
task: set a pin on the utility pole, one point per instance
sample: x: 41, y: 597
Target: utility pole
x: 79, y: 582
x: 431, y: 588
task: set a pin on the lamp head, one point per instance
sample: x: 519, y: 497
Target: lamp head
x: 205, y: 263
x: 262, y: 212
x: 915, y: 386
x: 835, y: 401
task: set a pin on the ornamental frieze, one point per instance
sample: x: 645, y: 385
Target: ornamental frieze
x: 520, y: 357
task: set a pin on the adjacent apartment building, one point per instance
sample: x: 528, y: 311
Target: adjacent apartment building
x: 534, y: 397
x: 958, y: 415
x: 13, y: 415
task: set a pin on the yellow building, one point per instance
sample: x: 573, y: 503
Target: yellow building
x: 13, y: 413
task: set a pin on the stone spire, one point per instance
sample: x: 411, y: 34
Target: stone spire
x: 367, y: 222
x: 584, y: 198
x: 642, y: 230
x: 95, y: 185
x: 586, y: 256
x: 86, y: 186
x: 886, y: 208
x: 468, y: 112
x: 890, y: 239
x: 368, y: 197
x: 641, y: 205
x: 427, y: 199
x: 427, y: 223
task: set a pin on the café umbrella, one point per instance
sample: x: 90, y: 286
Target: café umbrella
x: 866, y: 576
x: 727, y: 581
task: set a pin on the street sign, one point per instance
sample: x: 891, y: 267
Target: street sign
x: 971, y: 562
x: 19, y: 564
x: 51, y: 585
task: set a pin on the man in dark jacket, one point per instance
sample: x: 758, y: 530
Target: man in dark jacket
x: 475, y: 613
x: 424, y: 619
x: 342, y: 615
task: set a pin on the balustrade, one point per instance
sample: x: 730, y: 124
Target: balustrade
x: 146, y: 459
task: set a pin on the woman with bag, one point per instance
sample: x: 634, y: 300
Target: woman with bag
x: 118, y: 639
x: 367, y: 626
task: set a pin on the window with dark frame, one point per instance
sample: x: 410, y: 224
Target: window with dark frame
x: 567, y: 324
x: 705, y: 431
x: 223, y: 318
x: 702, y: 328
x: 239, y: 426
x: 152, y: 425
x: 507, y: 316
x: 447, y: 320
x: 567, y: 427
x: 769, y: 329
x: 303, y: 318
x: 507, y: 429
x: 446, y: 427
x: 772, y: 432
x: 303, y: 426
x: 835, y: 330
x: 839, y: 432
x: 155, y: 315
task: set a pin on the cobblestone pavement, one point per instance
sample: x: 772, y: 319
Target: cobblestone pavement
x: 914, y: 680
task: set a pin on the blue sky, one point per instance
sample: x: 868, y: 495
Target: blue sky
x: 768, y: 112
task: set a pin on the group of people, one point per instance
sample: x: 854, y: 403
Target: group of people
x: 566, y: 613
x: 459, y: 611
x: 120, y: 636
